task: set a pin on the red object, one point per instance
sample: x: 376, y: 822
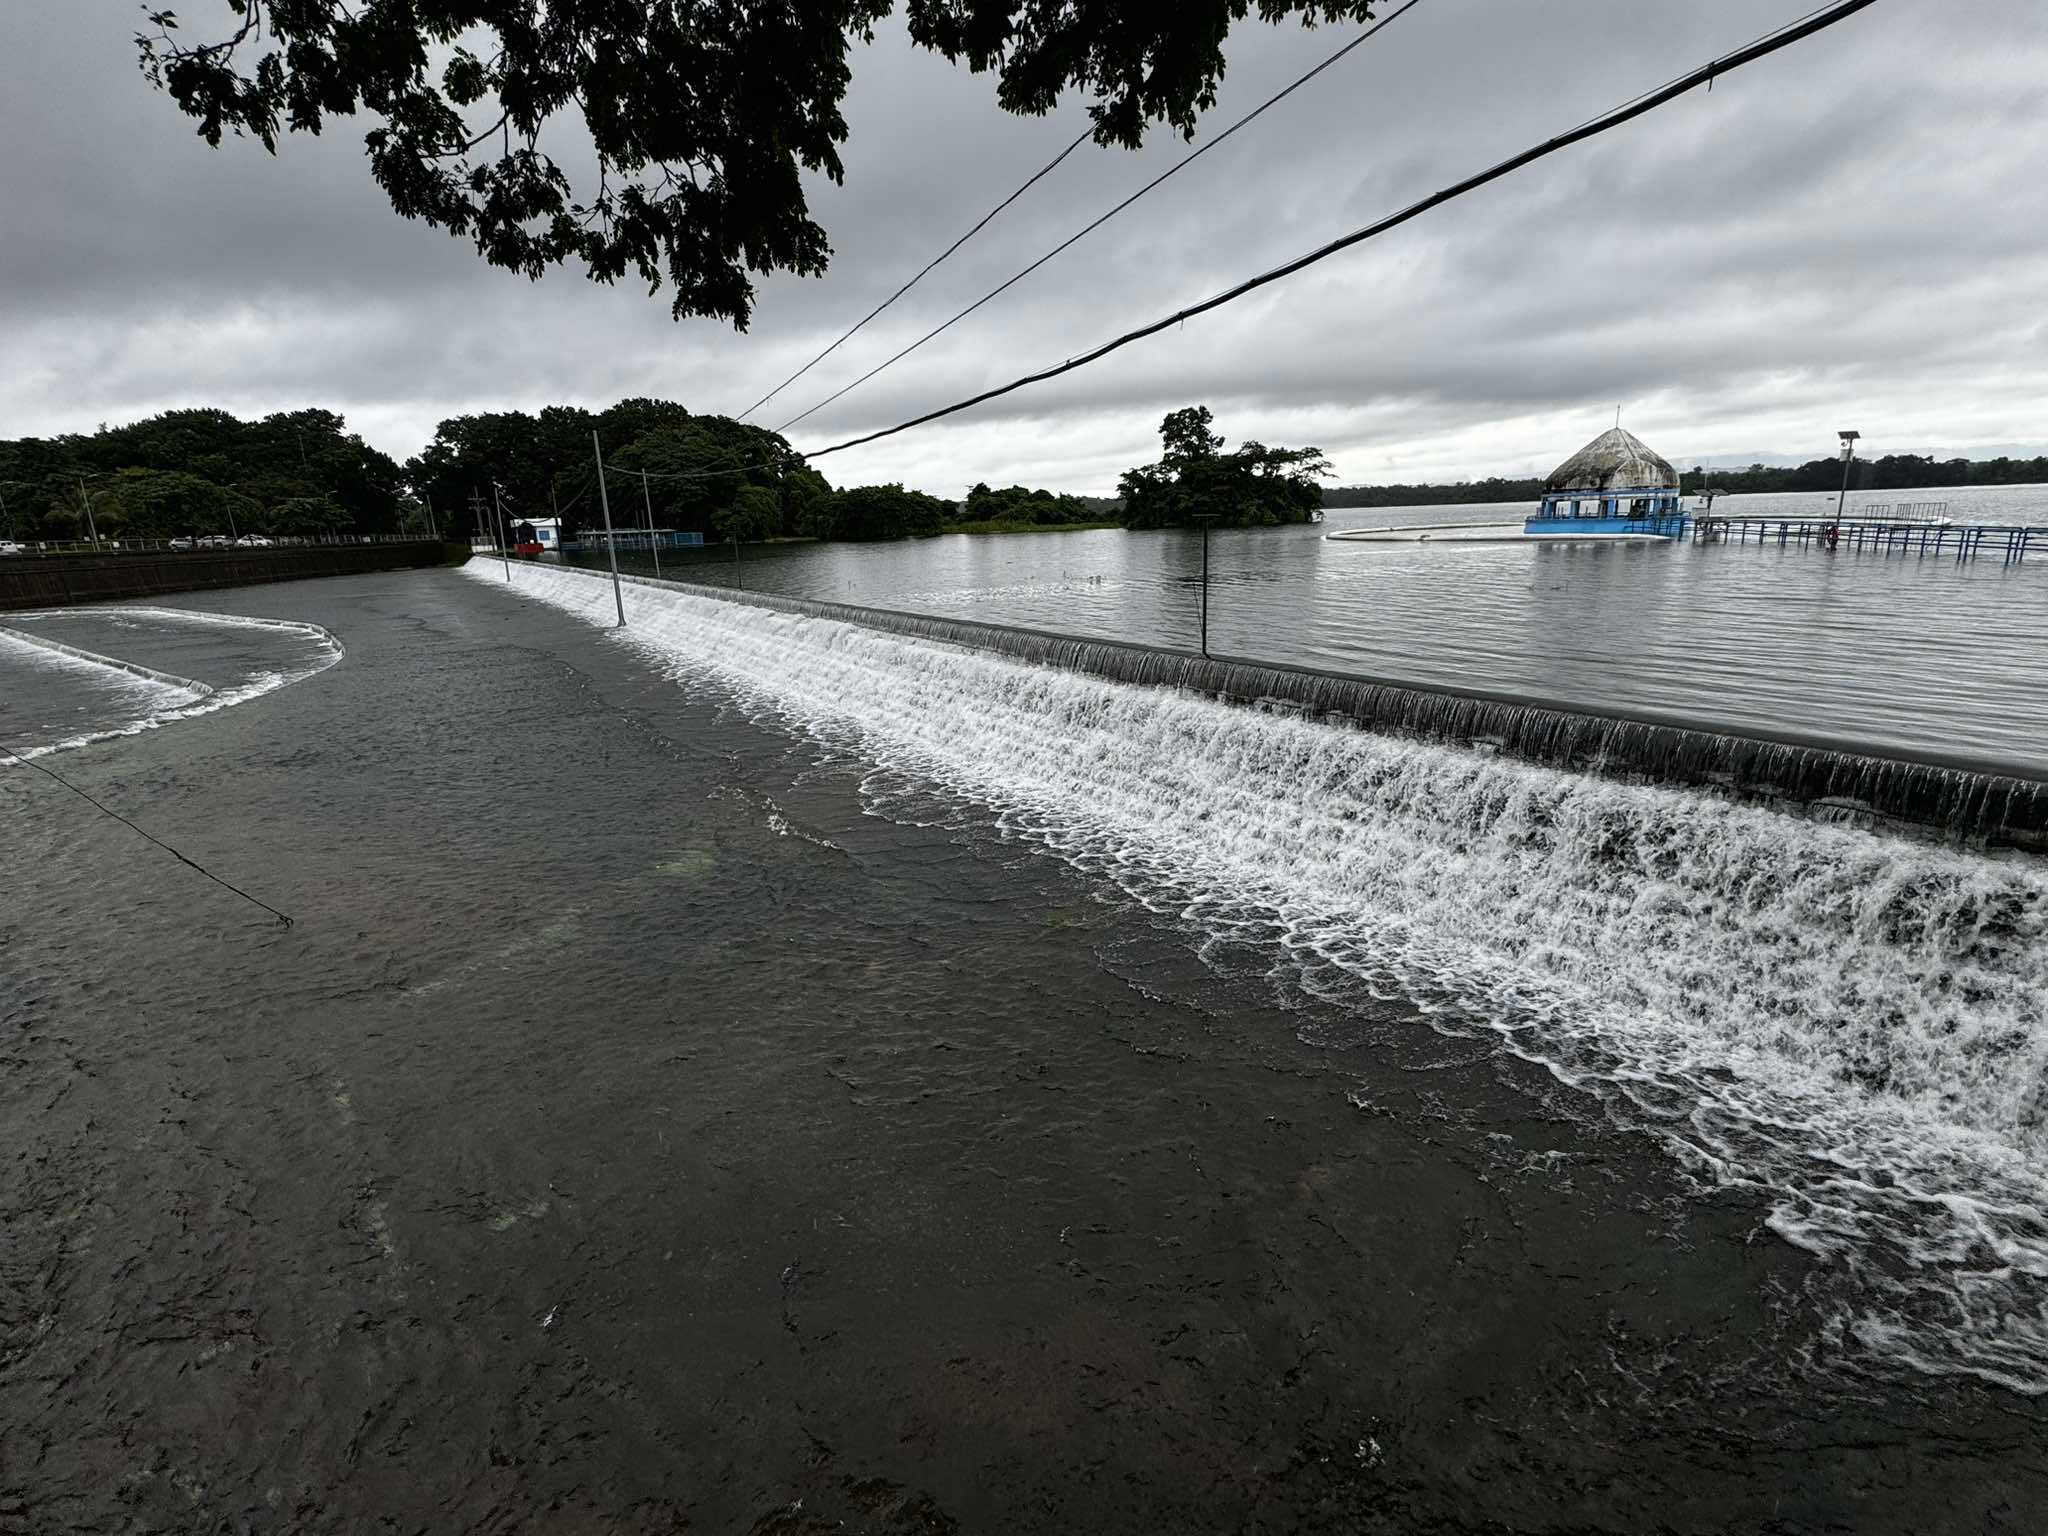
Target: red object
x: 529, y: 550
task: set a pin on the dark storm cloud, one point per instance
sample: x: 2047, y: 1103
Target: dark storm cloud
x: 1848, y: 228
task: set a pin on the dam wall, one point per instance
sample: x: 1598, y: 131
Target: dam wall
x: 1977, y: 802
x: 62, y: 580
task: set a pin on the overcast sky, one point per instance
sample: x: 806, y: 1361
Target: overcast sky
x: 1851, y: 233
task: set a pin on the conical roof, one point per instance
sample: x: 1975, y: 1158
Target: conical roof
x: 1616, y: 460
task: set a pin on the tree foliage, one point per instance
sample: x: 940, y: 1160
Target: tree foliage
x: 695, y: 468
x: 1251, y: 486
x: 879, y: 512
x: 1015, y: 506
x: 201, y: 472
x: 703, y: 114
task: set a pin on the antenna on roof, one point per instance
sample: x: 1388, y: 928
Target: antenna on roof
x: 1617, y: 418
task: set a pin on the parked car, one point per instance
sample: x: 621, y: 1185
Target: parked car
x: 253, y: 541
x: 9, y: 547
x: 184, y: 543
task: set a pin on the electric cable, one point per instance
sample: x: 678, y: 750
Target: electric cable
x: 1088, y: 229
x: 29, y: 762
x: 1037, y: 176
x: 1649, y: 101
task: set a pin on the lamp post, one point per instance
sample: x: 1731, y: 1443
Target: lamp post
x: 86, y: 496
x: 1848, y: 459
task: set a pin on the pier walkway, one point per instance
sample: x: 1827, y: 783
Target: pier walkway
x: 1963, y: 541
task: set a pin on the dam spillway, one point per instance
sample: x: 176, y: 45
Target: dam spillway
x: 1851, y: 1022
x: 1958, y: 798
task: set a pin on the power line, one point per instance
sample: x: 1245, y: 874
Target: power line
x: 1770, y: 43
x: 29, y: 762
x: 1036, y: 176
x: 698, y: 474
x: 1080, y: 234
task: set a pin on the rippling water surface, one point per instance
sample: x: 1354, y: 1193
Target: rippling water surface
x: 1891, y: 651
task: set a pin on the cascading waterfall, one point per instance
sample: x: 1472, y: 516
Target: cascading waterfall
x: 1957, y: 798
x: 1851, y: 1024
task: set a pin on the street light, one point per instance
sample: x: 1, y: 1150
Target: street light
x: 85, y: 496
x: 1848, y: 458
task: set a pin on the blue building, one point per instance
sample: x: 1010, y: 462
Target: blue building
x: 1614, y: 487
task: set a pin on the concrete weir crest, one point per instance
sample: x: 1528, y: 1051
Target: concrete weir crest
x: 1958, y: 799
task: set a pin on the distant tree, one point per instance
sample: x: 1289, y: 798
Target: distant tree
x: 754, y: 514
x: 183, y: 471
x: 1015, y: 504
x: 692, y: 476
x: 879, y: 512
x: 703, y: 116
x: 163, y: 504
x: 1252, y: 486
x: 1186, y: 437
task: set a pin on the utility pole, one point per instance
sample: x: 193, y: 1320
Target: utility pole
x: 1205, y: 519
x: 653, y: 544
x: 504, y: 533
x: 432, y: 531
x: 604, y: 498
x: 90, y: 526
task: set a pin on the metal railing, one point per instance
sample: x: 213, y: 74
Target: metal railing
x: 211, y: 544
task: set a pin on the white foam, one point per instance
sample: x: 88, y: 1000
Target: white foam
x: 161, y: 703
x: 1852, y: 1025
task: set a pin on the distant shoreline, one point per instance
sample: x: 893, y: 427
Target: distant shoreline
x: 1005, y: 525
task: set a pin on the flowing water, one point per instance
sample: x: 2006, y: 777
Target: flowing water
x: 1897, y: 652
x: 750, y: 1071
x: 100, y: 673
x: 1852, y: 1025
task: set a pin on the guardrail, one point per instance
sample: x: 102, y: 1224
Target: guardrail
x: 1965, y: 541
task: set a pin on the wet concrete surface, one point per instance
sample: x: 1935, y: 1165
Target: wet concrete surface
x: 634, y: 1135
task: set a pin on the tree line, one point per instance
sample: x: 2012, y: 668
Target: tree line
x: 200, y: 472
x: 205, y: 472
x: 1890, y: 472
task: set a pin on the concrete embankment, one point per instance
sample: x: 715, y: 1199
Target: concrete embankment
x: 27, y: 582
x: 1958, y: 798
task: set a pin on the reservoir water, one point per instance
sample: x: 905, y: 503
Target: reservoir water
x: 1894, y: 652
